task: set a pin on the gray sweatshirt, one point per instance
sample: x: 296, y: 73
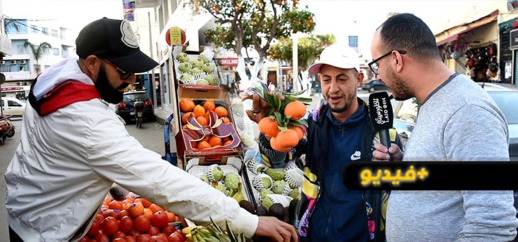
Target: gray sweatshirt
x: 455, y: 123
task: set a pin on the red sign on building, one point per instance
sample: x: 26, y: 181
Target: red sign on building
x: 229, y: 61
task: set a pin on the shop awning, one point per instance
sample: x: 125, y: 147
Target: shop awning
x: 457, y: 31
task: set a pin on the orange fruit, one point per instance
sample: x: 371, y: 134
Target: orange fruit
x: 207, y: 116
x: 198, y: 111
x: 225, y: 139
x: 295, y: 109
x: 115, y: 205
x: 202, y: 121
x: 287, y: 138
x: 194, y: 144
x: 299, y: 131
x: 186, y: 104
x: 170, y: 216
x: 184, y: 117
x: 228, y: 142
x: 214, y: 140
x: 226, y: 120
x: 268, y: 127
x: 203, y: 145
x: 136, y: 209
x: 147, y: 213
x: 221, y: 111
x: 276, y: 146
x: 209, y: 105
x: 155, y: 208
x: 206, y: 138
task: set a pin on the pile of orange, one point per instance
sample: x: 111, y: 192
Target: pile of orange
x: 283, y: 140
x: 211, y: 141
x: 200, y: 111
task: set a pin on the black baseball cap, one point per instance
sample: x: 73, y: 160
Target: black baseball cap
x: 115, y: 41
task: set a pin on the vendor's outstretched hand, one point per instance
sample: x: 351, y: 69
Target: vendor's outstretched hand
x: 276, y: 230
x: 259, y: 108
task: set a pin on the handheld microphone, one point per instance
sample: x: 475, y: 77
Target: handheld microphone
x: 381, y: 115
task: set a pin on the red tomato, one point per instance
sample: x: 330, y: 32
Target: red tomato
x: 153, y: 230
x: 159, y: 219
x: 158, y: 238
x: 168, y: 229
x: 99, y: 217
x: 94, y: 229
x: 118, y: 234
x: 135, y: 234
x: 119, y: 240
x: 176, y: 236
x: 141, y: 223
x: 101, y: 237
x: 144, y: 238
x: 130, y: 238
x: 109, y: 225
x: 123, y: 213
x: 126, y: 224
x: 111, y: 213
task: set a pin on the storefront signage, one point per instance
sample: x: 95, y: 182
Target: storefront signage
x: 229, y: 61
x: 514, y: 39
x: 175, y: 36
x: 11, y: 88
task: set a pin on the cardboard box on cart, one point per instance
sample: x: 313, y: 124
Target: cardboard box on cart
x: 196, y: 161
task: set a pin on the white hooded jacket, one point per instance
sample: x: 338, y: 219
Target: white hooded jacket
x: 68, y: 159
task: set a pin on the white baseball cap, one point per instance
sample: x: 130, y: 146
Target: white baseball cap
x: 337, y: 55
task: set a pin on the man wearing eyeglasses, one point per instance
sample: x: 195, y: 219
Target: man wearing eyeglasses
x: 73, y: 148
x: 455, y: 119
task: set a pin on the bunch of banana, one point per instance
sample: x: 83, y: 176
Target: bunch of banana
x: 196, y: 233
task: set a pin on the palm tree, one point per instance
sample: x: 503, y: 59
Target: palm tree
x: 8, y: 22
x: 37, y: 51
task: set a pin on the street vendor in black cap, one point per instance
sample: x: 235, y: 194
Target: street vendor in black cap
x: 73, y: 148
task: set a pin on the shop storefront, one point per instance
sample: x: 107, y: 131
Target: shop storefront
x: 508, y: 51
x: 472, y: 48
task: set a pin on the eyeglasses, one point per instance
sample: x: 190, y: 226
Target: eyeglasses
x: 374, y: 64
x: 124, y: 74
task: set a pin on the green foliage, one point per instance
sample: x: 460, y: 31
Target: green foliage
x: 37, y: 50
x: 254, y: 23
x: 309, y: 49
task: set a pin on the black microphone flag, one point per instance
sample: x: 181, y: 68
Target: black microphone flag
x: 381, y: 115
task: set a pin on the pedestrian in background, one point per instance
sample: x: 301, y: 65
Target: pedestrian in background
x: 338, y: 132
x: 456, y: 117
x: 73, y: 148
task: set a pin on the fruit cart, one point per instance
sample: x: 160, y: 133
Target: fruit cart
x: 207, y: 143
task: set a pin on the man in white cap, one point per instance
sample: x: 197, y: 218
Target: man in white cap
x: 73, y: 148
x: 338, y: 132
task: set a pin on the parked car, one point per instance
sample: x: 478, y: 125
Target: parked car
x: 12, y: 106
x: 504, y: 95
x: 126, y: 110
x: 374, y: 85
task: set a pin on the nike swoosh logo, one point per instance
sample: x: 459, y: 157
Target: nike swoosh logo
x: 356, y: 155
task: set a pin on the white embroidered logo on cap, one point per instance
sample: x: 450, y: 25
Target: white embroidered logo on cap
x: 128, y: 36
